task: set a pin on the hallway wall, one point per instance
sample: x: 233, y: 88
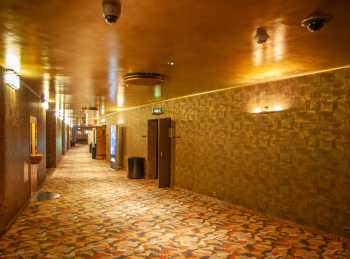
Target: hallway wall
x: 54, y: 139
x: 16, y: 107
x: 293, y: 164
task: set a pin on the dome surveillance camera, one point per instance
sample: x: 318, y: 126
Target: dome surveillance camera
x: 315, y: 22
x: 261, y: 35
x: 111, y: 10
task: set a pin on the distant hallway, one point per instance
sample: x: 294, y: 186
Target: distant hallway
x: 101, y: 213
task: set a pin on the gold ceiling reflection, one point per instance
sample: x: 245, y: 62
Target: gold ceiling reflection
x: 65, y: 48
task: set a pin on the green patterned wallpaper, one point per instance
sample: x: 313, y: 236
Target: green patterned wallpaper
x: 293, y: 164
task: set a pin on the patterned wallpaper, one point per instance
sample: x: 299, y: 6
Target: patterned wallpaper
x: 293, y: 164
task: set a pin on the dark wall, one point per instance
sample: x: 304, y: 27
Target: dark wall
x: 16, y: 107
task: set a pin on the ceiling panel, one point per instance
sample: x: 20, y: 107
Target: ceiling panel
x: 211, y: 42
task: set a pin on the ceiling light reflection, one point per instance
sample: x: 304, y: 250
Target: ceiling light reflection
x: 258, y: 53
x: 112, y: 78
x: 121, y: 96
x: 157, y: 94
x: 270, y: 51
x: 279, y: 36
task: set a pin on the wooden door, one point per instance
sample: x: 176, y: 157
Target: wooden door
x: 101, y: 143
x: 120, y: 147
x: 152, y: 143
x: 164, y: 152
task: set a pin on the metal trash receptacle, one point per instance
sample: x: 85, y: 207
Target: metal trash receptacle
x: 93, y: 152
x: 136, y: 168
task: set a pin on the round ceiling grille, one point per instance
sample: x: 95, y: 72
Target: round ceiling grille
x: 144, y: 78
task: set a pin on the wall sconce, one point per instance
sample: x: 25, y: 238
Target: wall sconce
x: 44, y: 102
x: 45, y: 105
x: 12, y: 79
x: 268, y: 109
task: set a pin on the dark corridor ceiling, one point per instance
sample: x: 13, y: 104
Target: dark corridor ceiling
x: 211, y: 42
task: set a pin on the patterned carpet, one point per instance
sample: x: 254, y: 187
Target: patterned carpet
x: 102, y: 214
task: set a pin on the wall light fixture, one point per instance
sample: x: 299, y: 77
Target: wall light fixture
x: 12, y: 78
x: 268, y: 109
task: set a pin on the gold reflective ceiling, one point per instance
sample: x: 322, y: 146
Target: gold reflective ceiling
x: 211, y: 42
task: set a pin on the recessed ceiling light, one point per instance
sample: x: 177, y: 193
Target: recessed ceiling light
x: 171, y: 63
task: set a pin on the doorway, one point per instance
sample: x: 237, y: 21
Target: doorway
x: 33, y: 177
x: 159, y: 151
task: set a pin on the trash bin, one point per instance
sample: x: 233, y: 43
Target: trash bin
x: 136, y: 168
x: 93, y: 152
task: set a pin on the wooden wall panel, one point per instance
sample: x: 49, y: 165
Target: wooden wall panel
x: 16, y: 107
x: 53, y: 136
x: 2, y: 154
x: 51, y: 139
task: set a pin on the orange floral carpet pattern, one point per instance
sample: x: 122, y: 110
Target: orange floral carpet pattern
x: 102, y: 214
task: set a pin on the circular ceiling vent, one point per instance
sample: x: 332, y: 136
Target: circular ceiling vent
x: 144, y: 78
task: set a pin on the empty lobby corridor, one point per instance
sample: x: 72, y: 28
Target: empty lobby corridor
x: 102, y: 214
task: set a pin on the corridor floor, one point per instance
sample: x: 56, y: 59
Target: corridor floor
x: 102, y: 214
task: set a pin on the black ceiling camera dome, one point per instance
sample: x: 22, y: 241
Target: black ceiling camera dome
x: 111, y: 10
x: 315, y: 22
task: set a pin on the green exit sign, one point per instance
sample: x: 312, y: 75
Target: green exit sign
x: 157, y: 110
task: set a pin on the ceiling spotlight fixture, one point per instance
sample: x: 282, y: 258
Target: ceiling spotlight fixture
x: 261, y: 35
x: 171, y: 63
x: 315, y: 21
x: 111, y: 10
